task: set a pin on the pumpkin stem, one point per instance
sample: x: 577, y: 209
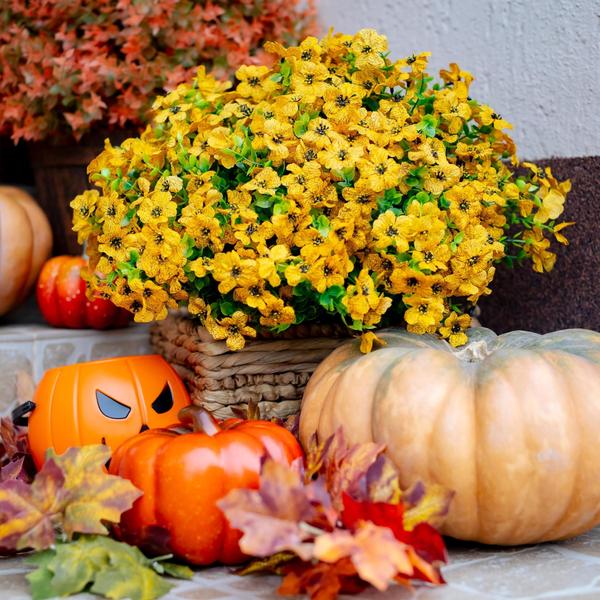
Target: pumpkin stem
x: 474, y: 351
x: 199, y: 419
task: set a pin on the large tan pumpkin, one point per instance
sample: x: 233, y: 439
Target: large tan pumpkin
x: 25, y: 244
x: 510, y: 422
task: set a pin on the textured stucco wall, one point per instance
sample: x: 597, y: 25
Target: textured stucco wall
x: 536, y: 62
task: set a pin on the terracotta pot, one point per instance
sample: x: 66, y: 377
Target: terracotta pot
x: 60, y: 172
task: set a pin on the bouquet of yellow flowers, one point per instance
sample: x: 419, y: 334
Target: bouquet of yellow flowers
x: 336, y: 186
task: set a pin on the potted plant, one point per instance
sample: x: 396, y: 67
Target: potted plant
x: 336, y: 187
x: 72, y: 73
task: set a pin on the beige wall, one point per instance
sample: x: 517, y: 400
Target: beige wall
x: 536, y: 62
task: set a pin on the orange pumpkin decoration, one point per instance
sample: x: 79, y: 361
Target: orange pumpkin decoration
x: 61, y: 296
x: 183, y: 476
x: 103, y: 402
x: 25, y: 243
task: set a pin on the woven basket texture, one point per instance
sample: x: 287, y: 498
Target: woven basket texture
x: 271, y: 371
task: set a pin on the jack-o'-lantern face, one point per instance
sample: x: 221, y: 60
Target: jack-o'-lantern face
x: 103, y: 402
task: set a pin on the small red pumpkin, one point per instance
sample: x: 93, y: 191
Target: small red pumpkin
x: 183, y: 476
x: 62, y: 299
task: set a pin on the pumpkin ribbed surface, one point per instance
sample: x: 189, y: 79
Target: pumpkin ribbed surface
x: 509, y: 422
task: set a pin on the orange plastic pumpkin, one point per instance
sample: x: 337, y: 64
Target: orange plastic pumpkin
x: 103, y: 402
x: 184, y: 475
x: 25, y: 243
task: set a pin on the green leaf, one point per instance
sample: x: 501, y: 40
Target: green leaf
x: 301, y: 124
x: 263, y: 201
x: 331, y: 298
x: 427, y: 125
x: 281, y: 207
x: 40, y: 580
x: 174, y: 570
x: 322, y: 225
x: 100, y: 565
x: 227, y: 308
x: 286, y: 73
x: 458, y: 238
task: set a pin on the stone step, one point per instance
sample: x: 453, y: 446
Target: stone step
x: 27, y: 351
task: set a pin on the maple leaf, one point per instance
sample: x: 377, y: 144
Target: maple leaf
x: 377, y: 555
x: 270, y: 564
x: 29, y: 512
x: 345, y: 467
x: 274, y: 517
x: 424, y: 538
x: 426, y: 504
x: 102, y: 566
x: 13, y: 438
x: 71, y: 492
x: 93, y: 495
x: 321, y: 581
x: 13, y: 469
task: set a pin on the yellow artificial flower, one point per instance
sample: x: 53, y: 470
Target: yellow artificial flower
x: 431, y: 151
x: 369, y: 339
x: 329, y: 271
x: 197, y: 306
x: 302, y: 178
x: 361, y: 297
x: 264, y: 181
x: 221, y: 146
x: 440, y: 177
x: 276, y: 313
x: 368, y: 47
x: 308, y: 81
x: 559, y: 237
x: 296, y: 273
x: 388, y: 230
x: 154, y: 298
x: 255, y: 82
x: 342, y: 102
x: 83, y: 207
x: 487, y: 116
x: 434, y: 259
x: 268, y: 265
x: 319, y: 134
x: 232, y: 329
x: 110, y: 210
x: 340, y: 155
x: 116, y: 243
x: 406, y: 280
x: 157, y: 208
x: 313, y: 245
x: 254, y: 296
x: 465, y: 206
x: 454, y: 110
x: 423, y: 313
x: 380, y: 170
x: 537, y: 247
x: 232, y: 271
x: 454, y: 328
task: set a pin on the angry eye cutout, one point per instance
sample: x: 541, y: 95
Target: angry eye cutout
x: 164, y: 401
x: 110, y: 407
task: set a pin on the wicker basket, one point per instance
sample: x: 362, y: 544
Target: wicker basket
x: 271, y: 372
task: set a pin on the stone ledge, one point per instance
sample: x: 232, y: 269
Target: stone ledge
x: 27, y: 351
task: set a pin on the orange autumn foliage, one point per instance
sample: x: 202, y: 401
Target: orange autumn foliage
x: 67, y: 66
